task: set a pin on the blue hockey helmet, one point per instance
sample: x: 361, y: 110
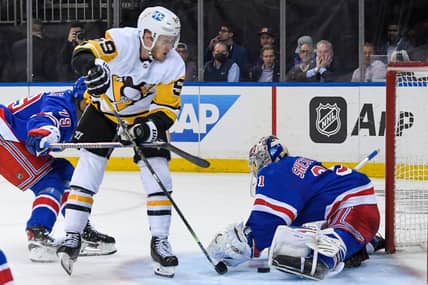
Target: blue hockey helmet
x: 79, y: 88
x: 267, y: 150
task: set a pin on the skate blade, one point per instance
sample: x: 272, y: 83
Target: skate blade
x: 164, y: 271
x: 66, y: 262
x: 91, y: 249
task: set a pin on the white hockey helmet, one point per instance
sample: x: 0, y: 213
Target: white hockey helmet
x: 159, y: 21
x: 267, y: 150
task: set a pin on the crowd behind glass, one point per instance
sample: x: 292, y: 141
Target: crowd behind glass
x: 241, y: 50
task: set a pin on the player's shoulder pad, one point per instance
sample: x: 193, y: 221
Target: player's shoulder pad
x: 123, y: 38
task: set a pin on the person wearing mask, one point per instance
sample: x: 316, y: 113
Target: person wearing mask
x: 221, y: 67
x: 239, y: 54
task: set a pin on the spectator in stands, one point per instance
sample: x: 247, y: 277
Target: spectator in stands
x: 298, y: 71
x: 375, y: 70
x: 266, y: 37
x: 296, y: 55
x: 325, y: 67
x: 268, y: 69
x: 221, y: 67
x: 191, y: 69
x: 75, y: 36
x: 236, y: 52
x: 395, y: 41
x: 43, y: 61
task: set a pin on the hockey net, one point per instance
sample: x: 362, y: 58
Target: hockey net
x: 406, y: 184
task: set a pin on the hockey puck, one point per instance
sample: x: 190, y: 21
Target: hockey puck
x: 263, y: 269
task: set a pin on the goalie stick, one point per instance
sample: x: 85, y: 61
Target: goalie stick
x: 367, y: 159
x: 220, y: 267
x: 158, y: 144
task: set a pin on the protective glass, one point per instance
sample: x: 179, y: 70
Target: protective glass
x: 167, y: 41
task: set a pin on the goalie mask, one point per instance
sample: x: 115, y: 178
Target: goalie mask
x: 267, y: 150
x: 162, y: 23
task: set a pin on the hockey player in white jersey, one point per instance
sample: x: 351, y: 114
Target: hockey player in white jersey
x: 141, y: 75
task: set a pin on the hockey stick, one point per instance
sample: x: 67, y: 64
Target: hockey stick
x: 367, y: 159
x: 220, y: 267
x: 158, y: 144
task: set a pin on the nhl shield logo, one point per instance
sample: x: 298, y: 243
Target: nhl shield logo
x: 328, y: 119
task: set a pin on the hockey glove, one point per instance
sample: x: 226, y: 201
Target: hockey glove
x: 231, y: 246
x: 38, y: 140
x: 141, y: 132
x: 98, y: 78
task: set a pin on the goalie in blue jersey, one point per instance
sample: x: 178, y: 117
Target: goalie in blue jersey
x: 313, y: 219
x: 27, y: 126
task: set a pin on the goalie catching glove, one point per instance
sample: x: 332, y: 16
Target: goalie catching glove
x: 232, y: 246
x: 98, y: 79
x: 142, y: 131
x: 39, y: 139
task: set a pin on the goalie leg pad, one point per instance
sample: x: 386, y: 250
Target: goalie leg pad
x: 306, y: 252
x: 299, y: 266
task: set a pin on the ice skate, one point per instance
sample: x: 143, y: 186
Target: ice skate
x: 69, y: 251
x: 96, y: 243
x: 41, y: 246
x: 163, y: 258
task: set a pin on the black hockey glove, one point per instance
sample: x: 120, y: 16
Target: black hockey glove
x: 141, y: 132
x: 98, y: 78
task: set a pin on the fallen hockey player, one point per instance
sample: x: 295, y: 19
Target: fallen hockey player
x: 25, y: 126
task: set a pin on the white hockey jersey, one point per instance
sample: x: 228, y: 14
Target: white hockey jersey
x: 138, y: 87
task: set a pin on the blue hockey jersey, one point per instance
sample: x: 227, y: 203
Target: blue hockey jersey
x: 297, y: 190
x: 51, y: 108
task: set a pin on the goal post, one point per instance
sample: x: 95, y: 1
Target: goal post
x: 406, y: 156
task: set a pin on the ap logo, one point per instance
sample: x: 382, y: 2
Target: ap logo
x: 199, y: 115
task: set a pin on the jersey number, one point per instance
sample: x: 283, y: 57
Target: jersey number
x: 178, y: 85
x: 107, y: 46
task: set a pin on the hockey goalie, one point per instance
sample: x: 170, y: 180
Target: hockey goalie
x: 292, y: 193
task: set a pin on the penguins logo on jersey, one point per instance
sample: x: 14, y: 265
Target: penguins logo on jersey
x: 126, y: 92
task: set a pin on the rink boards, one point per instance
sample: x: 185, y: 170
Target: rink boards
x: 333, y: 123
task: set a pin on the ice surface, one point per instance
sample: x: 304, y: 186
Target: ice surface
x: 208, y: 201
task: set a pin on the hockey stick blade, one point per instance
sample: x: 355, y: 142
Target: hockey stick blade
x: 188, y: 156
